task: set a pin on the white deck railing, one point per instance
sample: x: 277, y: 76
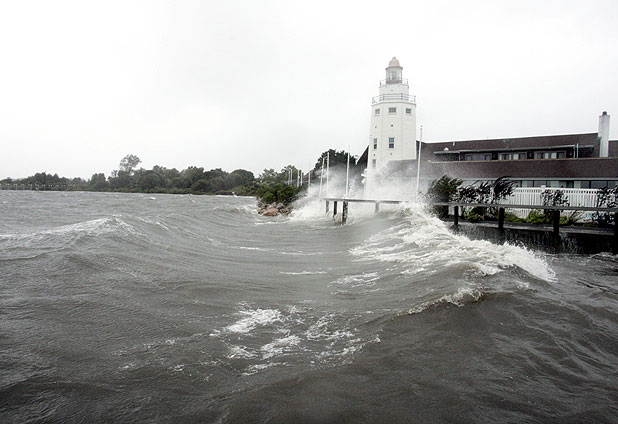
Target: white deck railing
x: 532, y: 196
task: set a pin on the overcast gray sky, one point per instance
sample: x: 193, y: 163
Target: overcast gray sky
x: 262, y: 84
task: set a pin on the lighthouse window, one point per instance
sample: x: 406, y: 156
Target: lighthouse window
x: 392, y: 110
x: 409, y: 111
x: 391, y: 142
x: 377, y: 112
x: 375, y: 144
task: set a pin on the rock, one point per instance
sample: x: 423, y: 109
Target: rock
x: 271, y: 212
x: 280, y: 206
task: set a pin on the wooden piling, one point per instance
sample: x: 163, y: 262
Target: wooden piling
x: 344, y: 215
x: 455, y: 216
x: 556, y: 232
x: 327, y: 206
x: 615, y: 246
x: 377, y: 209
x: 501, y: 219
x: 334, y: 208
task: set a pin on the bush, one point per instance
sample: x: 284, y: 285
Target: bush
x: 537, y: 217
x: 443, y: 189
x: 474, y: 217
x: 511, y: 217
x: 277, y: 193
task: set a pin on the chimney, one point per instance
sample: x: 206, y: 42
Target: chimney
x: 604, y: 135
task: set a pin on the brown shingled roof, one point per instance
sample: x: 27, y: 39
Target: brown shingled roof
x: 520, y: 143
x: 581, y: 168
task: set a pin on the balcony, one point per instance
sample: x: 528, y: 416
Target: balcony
x: 403, y: 81
x: 394, y: 98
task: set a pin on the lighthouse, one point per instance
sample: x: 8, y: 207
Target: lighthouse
x: 392, y: 135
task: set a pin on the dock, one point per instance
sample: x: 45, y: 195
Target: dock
x: 345, y: 201
x: 500, y: 223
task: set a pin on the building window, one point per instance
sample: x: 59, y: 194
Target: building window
x: 373, y: 163
x: 478, y: 156
x: 392, y: 110
x: 549, y: 155
x: 375, y: 144
x: 377, y: 112
x: 598, y: 184
x: 512, y: 156
x: 408, y: 111
x: 391, y: 142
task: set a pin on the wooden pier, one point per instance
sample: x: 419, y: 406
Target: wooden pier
x: 500, y: 207
x: 345, y: 201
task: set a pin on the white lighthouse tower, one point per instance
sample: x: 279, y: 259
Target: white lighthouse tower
x: 393, y: 121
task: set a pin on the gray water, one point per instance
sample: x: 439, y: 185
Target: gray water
x: 168, y: 308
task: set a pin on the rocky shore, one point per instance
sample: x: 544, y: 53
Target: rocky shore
x: 273, y: 209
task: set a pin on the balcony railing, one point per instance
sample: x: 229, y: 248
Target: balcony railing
x: 394, y: 98
x: 403, y: 81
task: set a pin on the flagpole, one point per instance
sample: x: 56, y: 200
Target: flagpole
x: 327, y: 170
x: 418, y: 165
x: 321, y: 175
x: 347, y: 175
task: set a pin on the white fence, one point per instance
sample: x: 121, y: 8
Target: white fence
x: 532, y: 196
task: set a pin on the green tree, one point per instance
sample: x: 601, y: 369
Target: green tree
x: 148, y: 180
x: 129, y: 162
x: 98, y: 182
x: 335, y: 158
x: 244, y: 177
x: 120, y: 180
x: 191, y: 175
x: 268, y: 176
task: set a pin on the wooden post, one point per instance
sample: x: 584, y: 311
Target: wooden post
x: 455, y: 216
x: 556, y: 219
x: 377, y: 209
x: 327, y: 206
x: 344, y: 216
x: 615, y: 246
x: 501, y: 219
x: 556, y: 232
x: 334, y: 208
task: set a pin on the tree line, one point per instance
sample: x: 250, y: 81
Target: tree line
x: 195, y: 180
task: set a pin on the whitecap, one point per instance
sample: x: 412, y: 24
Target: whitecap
x: 280, y: 346
x: 425, y: 242
x: 253, y: 319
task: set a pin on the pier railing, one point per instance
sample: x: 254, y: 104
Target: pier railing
x: 555, y: 214
x: 501, y: 207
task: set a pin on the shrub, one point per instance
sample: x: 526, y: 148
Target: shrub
x: 444, y: 189
x: 277, y: 193
x: 474, y: 217
x: 511, y: 217
x: 608, y: 198
x: 537, y: 217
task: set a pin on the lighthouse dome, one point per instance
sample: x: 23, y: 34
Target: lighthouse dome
x: 394, y: 62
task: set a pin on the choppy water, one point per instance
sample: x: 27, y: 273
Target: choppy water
x: 158, y: 308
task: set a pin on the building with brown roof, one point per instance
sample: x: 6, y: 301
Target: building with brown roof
x: 570, y: 161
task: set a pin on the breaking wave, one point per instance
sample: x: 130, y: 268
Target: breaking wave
x: 423, y: 242
x: 27, y: 245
